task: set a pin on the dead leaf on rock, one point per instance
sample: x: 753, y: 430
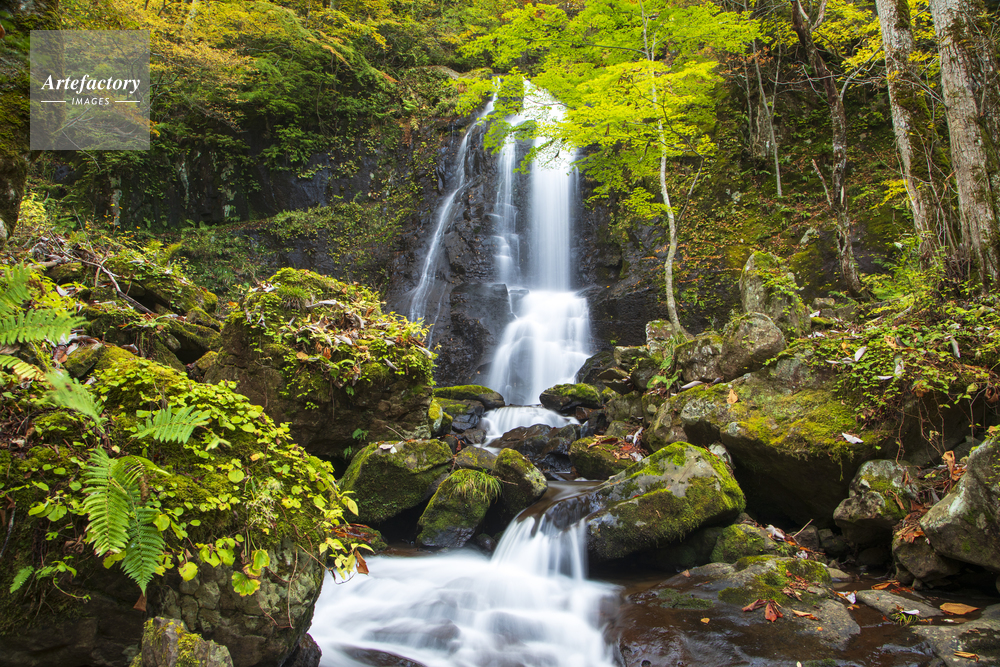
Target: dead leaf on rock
x: 966, y: 654
x: 705, y: 620
x: 732, y: 398
x: 755, y: 605
x: 771, y: 613
x: 957, y: 608
x: 804, y: 614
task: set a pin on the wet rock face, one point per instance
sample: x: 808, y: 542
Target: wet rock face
x: 873, y: 507
x: 210, y: 607
x: 660, y: 500
x: 566, y: 398
x: 479, y: 315
x: 521, y: 482
x: 700, y: 358
x: 546, y: 447
x: 390, y: 477
x: 965, y: 525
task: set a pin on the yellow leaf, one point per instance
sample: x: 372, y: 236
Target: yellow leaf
x: 732, y: 398
x: 301, y: 356
x: 957, y: 608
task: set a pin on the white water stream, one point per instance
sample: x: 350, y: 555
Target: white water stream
x: 528, y: 606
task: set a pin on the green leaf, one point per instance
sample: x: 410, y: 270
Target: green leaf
x: 67, y: 392
x: 244, y: 585
x: 162, y: 522
x: 236, y: 476
x: 21, y: 577
x: 188, y: 571
x: 169, y: 425
x: 261, y: 559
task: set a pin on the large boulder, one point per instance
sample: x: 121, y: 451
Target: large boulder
x: 464, y: 415
x: 747, y: 343
x: 522, y: 484
x: 565, y: 397
x: 786, y: 431
x: 545, y: 446
x: 457, y: 509
x: 321, y: 355
x: 600, y: 457
x: 965, y: 525
x: 700, y: 359
x: 880, y: 496
x: 389, y: 477
x: 766, y: 287
x: 490, y: 399
x: 661, y: 500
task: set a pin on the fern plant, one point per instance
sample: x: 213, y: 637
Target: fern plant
x: 121, y: 523
x: 19, y: 326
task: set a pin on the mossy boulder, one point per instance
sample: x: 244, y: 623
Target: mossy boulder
x: 321, y: 355
x: 565, y: 397
x: 594, y: 366
x: 599, y: 457
x: 457, y: 509
x: 465, y: 414
x: 661, y: 500
x: 747, y: 343
x: 254, y: 485
x: 389, y: 477
x: 167, y: 643
x: 700, y: 359
x: 490, y: 399
x: 915, y: 558
x: 476, y: 458
x: 767, y: 577
x: 438, y: 421
x: 965, y: 525
x: 741, y: 540
x: 522, y: 483
x: 880, y: 497
x: 766, y: 287
x: 785, y: 432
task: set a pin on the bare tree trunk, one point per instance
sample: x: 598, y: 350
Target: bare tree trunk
x: 769, y: 113
x: 803, y: 28
x: 972, y: 105
x: 916, y: 136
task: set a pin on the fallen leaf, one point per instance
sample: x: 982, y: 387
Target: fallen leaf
x: 884, y: 585
x: 804, y: 614
x: 705, y: 620
x: 966, y: 654
x: 686, y: 573
x: 957, y: 608
x: 860, y: 353
x: 732, y: 398
x: 910, y: 612
x: 301, y: 356
x: 755, y: 605
x: 853, y: 439
x: 771, y: 613
x: 361, y: 564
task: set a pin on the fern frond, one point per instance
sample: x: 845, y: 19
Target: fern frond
x: 22, y: 369
x: 67, y: 392
x: 145, y: 545
x: 36, y: 325
x: 16, y: 290
x: 168, y: 425
x: 107, y: 504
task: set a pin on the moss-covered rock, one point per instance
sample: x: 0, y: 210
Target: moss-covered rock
x: 389, y: 477
x: 599, y: 457
x: 747, y: 343
x: 457, y: 509
x: 438, y: 421
x: 490, y: 399
x: 766, y: 287
x: 660, y: 500
x: 741, y: 540
x: 699, y: 359
x: 965, y: 525
x: 476, y: 458
x: 464, y: 414
x: 766, y: 578
x: 566, y: 397
x: 321, y: 355
x: 522, y: 482
x: 167, y: 643
x: 238, y: 478
x: 880, y: 497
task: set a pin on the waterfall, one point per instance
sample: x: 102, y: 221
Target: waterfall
x: 428, y: 276
x: 549, y: 339
x: 530, y: 605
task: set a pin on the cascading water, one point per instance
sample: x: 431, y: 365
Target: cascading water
x: 425, y: 289
x: 528, y: 606
x: 549, y: 340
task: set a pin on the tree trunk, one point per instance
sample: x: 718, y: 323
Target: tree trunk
x: 916, y: 136
x: 972, y: 105
x: 838, y: 193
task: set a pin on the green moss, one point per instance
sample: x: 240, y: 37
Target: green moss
x: 774, y: 575
x: 674, y: 599
x: 457, y: 508
x: 595, y: 458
